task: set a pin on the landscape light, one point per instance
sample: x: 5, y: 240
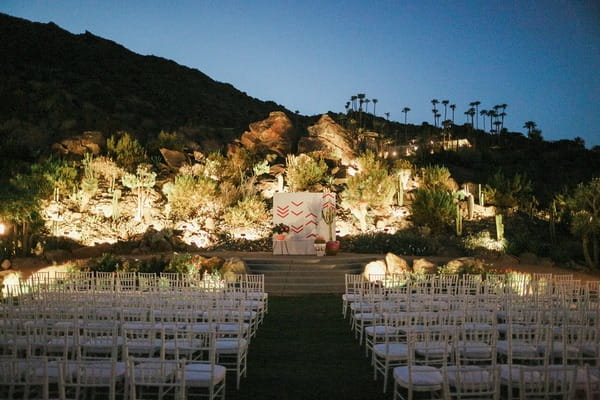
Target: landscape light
x: 2, y: 228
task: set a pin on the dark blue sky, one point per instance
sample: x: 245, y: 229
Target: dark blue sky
x: 541, y: 58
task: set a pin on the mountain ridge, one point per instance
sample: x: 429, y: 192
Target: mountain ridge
x: 61, y: 84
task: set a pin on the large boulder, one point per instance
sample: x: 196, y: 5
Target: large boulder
x: 330, y: 138
x: 424, y: 266
x: 463, y: 264
x: 396, y: 264
x: 374, y: 268
x: 232, y: 267
x: 272, y: 135
x: 174, y: 159
x: 87, y: 142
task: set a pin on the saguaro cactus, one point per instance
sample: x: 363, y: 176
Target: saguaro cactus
x: 459, y: 220
x: 499, y: 227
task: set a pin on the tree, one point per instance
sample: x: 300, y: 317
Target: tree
x: 492, y: 115
x: 453, y: 107
x: 367, y: 101
x: 476, y: 104
x: 375, y: 101
x: 405, y: 110
x: 445, y: 103
x: 529, y: 125
x: 471, y: 113
x: 434, y: 102
x: 353, y: 100
x: 484, y: 114
x: 586, y: 220
x: 140, y: 184
x: 387, y: 115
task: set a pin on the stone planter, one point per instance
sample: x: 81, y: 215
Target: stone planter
x: 320, y: 249
x: 332, y: 247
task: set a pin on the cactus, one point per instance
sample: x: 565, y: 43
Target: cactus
x: 481, y: 196
x: 400, y: 192
x: 471, y: 205
x: 329, y: 218
x: 553, y: 218
x: 115, y: 212
x: 499, y: 227
x: 459, y: 220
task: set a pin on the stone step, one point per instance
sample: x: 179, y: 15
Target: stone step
x: 288, y: 275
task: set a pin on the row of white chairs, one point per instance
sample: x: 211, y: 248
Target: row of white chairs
x: 179, y: 371
x: 537, y: 320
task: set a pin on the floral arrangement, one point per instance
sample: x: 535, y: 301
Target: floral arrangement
x: 319, y: 239
x: 281, y: 228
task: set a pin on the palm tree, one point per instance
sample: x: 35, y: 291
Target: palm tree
x: 529, y: 125
x: 347, y: 106
x: 492, y: 114
x: 445, y: 103
x: 437, y: 118
x: 387, y: 115
x: 497, y: 123
x: 434, y: 111
x: 503, y: 114
x: 471, y: 113
x: 405, y: 110
x: 353, y: 100
x: 476, y: 104
x: 483, y: 113
x: 453, y: 107
x: 367, y: 101
x: 374, y: 106
x: 361, y: 99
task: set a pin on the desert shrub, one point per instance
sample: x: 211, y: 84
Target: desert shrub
x: 140, y: 184
x: 182, y: 263
x: 126, y: 151
x: 436, y: 177
x: 304, y: 172
x: 55, y: 173
x: 371, y: 188
x: 434, y: 208
x: 402, y: 242
x: 248, y: 212
x: 189, y: 195
x: 482, y: 243
x: 107, y: 262
x: 505, y: 192
x: 106, y: 168
x: 167, y: 140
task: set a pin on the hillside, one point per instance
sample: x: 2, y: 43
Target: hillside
x: 59, y: 84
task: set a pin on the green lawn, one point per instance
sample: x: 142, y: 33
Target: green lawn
x: 305, y: 350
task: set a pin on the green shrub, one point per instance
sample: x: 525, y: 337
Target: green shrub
x: 181, y: 263
x: 482, y: 243
x: 167, y: 140
x: 304, y: 173
x: 505, y: 192
x: 189, y: 195
x: 107, y: 262
x: 433, y: 208
x: 248, y: 212
x: 436, y: 177
x: 126, y: 151
x: 402, y: 242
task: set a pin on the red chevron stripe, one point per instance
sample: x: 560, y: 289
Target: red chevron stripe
x: 309, y: 215
x: 310, y: 235
x: 325, y: 195
x: 311, y: 222
x: 297, y: 229
x: 297, y: 204
x: 328, y: 204
x: 281, y: 208
x: 282, y: 215
x: 296, y: 213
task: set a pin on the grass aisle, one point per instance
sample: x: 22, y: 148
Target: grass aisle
x: 305, y: 350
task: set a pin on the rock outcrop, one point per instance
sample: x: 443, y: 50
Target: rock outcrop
x: 272, y: 135
x: 87, y: 142
x: 330, y: 138
x: 174, y: 159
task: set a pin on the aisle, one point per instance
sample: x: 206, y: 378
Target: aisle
x: 305, y: 350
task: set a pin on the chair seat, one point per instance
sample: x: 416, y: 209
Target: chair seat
x: 230, y: 345
x: 100, y: 372
x: 475, y: 350
x: 199, y: 375
x: 380, y: 330
x: 471, y: 377
x: 392, y: 351
x: 421, y: 377
x: 154, y: 370
x: 512, y: 374
x: 432, y: 349
x: 520, y: 350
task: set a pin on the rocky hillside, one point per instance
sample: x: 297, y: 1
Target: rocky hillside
x: 59, y: 84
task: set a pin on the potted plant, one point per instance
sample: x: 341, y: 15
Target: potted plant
x: 332, y: 246
x: 320, y: 245
x: 280, y: 231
